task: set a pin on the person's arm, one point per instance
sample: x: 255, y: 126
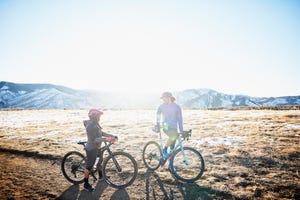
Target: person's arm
x: 99, y: 139
x: 93, y: 134
x: 107, y: 135
x: 158, y: 116
x: 179, y: 119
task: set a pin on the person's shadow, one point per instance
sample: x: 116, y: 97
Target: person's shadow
x: 96, y: 194
x: 192, y: 191
x: 73, y: 193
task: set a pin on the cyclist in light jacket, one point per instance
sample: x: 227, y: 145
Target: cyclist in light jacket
x: 172, y: 122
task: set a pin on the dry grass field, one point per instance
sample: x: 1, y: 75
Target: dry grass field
x: 249, y: 154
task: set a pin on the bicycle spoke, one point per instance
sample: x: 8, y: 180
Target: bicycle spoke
x: 187, y: 166
x: 73, y: 166
x: 152, y: 155
x: 122, y: 174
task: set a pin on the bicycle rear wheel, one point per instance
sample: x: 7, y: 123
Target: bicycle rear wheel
x: 187, y: 167
x: 73, y: 166
x: 152, y: 155
x: 119, y: 170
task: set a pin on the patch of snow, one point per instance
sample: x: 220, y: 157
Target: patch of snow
x: 238, y: 123
x: 52, y: 133
x: 277, y: 101
x: 219, y: 140
x: 4, y: 88
x: 75, y: 140
x: 226, y: 102
x: 293, y: 126
x: 22, y: 92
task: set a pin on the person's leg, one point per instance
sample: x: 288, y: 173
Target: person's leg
x: 91, y: 157
x: 172, y: 133
x: 174, y: 139
x: 171, y: 141
x: 172, y: 146
x: 99, y: 164
x: 86, y: 176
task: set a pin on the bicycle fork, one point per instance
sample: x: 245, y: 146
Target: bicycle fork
x: 114, y: 160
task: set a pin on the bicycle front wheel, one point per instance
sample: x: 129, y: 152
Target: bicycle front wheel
x: 152, y: 155
x: 187, y: 165
x: 73, y: 166
x: 119, y: 170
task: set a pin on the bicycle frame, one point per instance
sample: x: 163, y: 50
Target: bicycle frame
x: 102, y: 149
x: 178, y: 145
x: 109, y: 166
x: 110, y: 153
x: 185, y: 163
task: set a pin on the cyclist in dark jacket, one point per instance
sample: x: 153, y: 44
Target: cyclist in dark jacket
x: 171, y: 120
x: 95, y: 136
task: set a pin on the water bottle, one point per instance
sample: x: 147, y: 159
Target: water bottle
x: 95, y: 165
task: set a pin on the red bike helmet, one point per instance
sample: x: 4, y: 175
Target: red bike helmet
x: 93, y: 113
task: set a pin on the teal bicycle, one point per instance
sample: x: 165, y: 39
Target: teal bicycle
x: 185, y: 163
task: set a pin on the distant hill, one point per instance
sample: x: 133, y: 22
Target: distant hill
x: 207, y: 98
x: 13, y: 95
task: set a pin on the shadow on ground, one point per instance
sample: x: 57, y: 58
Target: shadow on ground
x: 155, y: 188
x: 74, y: 193
x: 159, y: 189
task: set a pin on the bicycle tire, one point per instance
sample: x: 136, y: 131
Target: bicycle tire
x: 187, y: 172
x: 73, y: 165
x: 126, y: 176
x: 152, y: 153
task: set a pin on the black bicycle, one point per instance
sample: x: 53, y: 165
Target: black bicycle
x: 119, y: 169
x: 186, y: 163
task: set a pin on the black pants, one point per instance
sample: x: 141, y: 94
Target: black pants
x: 91, y: 156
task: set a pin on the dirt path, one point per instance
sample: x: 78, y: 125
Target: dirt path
x: 24, y: 176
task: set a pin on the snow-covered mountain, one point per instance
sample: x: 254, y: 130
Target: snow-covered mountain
x: 207, y: 98
x: 13, y: 95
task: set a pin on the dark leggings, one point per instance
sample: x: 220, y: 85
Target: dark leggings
x: 91, y: 158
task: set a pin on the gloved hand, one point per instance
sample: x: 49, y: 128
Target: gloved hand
x: 156, y: 128
x: 111, y: 139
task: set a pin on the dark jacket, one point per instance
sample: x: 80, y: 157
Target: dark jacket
x: 94, y: 135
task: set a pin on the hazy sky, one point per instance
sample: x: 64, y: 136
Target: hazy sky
x: 249, y: 47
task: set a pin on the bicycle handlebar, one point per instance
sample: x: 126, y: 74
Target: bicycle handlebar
x: 184, y: 134
x: 84, y: 142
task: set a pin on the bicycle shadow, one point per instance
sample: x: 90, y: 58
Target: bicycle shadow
x: 157, y: 189
x: 192, y: 191
x: 73, y: 193
x: 152, y: 182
